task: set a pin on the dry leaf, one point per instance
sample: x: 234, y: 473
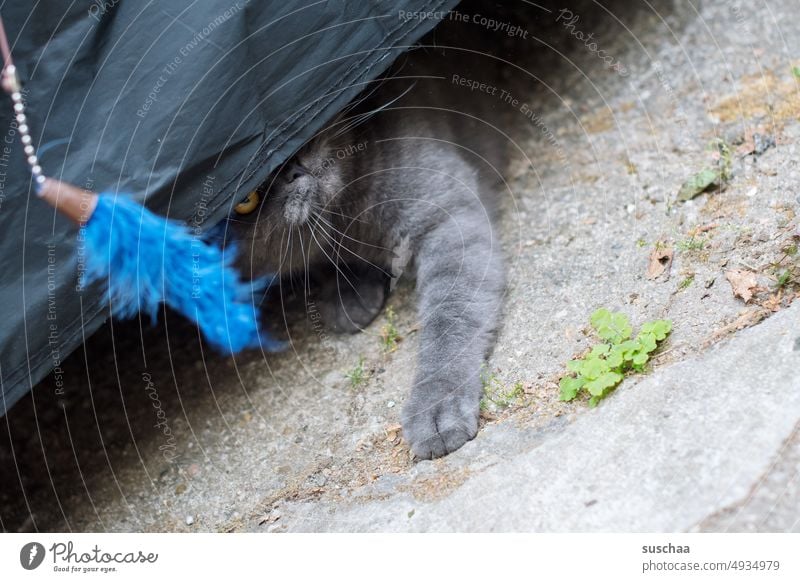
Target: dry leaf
x: 773, y: 302
x: 742, y: 282
x: 660, y: 262
x: 393, y: 431
x: 701, y: 229
x: 269, y: 517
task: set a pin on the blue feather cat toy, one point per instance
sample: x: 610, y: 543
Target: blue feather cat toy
x: 145, y: 260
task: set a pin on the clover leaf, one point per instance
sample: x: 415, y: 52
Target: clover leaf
x: 602, y: 369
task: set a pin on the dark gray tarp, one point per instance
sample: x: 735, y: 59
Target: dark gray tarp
x: 187, y: 104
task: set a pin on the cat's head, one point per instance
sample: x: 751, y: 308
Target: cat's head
x: 301, y: 196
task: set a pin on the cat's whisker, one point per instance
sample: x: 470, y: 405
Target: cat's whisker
x: 363, y: 117
x: 336, y: 216
x: 339, y: 232
x: 341, y: 236
x: 291, y: 254
x: 237, y: 220
x: 325, y: 235
x: 346, y: 264
x: 306, y: 286
x: 284, y: 255
x: 327, y: 210
x: 332, y: 214
x: 278, y: 270
x: 352, y: 252
x: 335, y: 265
x: 356, y: 102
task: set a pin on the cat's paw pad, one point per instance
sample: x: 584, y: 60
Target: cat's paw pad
x: 438, y: 430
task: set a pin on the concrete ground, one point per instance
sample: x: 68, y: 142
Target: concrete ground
x: 707, y: 439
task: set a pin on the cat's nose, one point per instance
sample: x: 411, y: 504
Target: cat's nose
x: 294, y: 172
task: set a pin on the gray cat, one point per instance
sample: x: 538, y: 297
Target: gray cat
x: 389, y: 178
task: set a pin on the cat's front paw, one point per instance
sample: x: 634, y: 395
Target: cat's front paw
x: 435, y: 427
x: 350, y: 306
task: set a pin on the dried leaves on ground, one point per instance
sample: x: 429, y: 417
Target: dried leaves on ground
x: 660, y: 262
x: 743, y: 283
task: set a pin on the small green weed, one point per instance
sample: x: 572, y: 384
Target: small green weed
x: 785, y: 278
x: 509, y: 396
x: 787, y: 270
x: 497, y: 393
x: 686, y: 283
x: 603, y: 368
x: 692, y: 244
x: 389, y: 334
x: 358, y: 374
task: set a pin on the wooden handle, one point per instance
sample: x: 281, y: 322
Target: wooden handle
x: 75, y: 203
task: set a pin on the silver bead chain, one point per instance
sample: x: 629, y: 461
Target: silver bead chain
x: 11, y: 84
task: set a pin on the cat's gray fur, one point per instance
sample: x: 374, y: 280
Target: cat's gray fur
x: 414, y: 185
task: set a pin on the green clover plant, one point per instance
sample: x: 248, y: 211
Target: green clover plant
x: 603, y: 368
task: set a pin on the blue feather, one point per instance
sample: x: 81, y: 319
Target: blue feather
x: 145, y: 260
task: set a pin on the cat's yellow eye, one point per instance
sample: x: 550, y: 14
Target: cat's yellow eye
x: 249, y: 204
